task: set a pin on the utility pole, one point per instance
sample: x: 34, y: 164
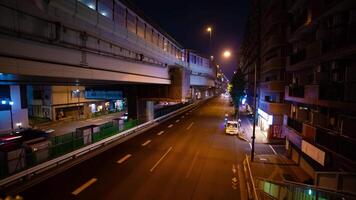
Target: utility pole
x: 258, y: 13
x: 254, y: 115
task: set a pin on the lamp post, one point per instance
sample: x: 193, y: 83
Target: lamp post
x: 254, y: 115
x: 12, y: 120
x: 210, y: 30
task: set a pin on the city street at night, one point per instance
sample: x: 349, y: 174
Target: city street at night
x: 187, y: 157
x: 178, y: 100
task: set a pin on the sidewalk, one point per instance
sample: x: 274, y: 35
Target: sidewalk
x: 260, y: 136
x: 64, y: 127
x: 277, y: 168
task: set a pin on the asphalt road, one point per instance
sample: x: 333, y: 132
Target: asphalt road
x: 191, y: 159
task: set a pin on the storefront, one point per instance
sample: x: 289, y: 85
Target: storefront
x: 270, y: 125
x: 264, y: 121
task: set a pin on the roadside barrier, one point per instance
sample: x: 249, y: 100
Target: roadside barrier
x: 71, y: 146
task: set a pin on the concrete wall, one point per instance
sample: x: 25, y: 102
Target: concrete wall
x: 179, y: 88
x: 196, y: 80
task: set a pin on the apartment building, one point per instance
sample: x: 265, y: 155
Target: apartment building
x: 265, y: 45
x: 322, y: 88
x: 307, y: 79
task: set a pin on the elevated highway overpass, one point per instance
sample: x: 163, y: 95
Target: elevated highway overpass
x: 91, y: 42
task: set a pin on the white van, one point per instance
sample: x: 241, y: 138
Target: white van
x: 232, y: 128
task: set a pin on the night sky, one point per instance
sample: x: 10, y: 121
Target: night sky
x: 186, y: 21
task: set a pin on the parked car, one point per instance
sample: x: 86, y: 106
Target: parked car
x: 232, y: 128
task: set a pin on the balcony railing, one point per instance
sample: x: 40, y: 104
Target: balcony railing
x: 336, y: 143
x: 297, y: 57
x: 273, y: 41
x: 296, y: 91
x: 333, y: 92
x: 296, y: 125
x: 274, y: 64
x: 273, y: 86
x: 274, y: 108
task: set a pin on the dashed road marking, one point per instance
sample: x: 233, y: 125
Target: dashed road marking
x: 191, y: 166
x: 146, y: 143
x: 275, y: 153
x: 84, y: 186
x: 124, y: 158
x: 190, y: 125
x: 160, y: 133
x: 164, y: 155
x: 170, y: 126
x: 177, y: 120
x: 182, y: 117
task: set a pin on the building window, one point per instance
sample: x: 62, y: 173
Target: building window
x: 75, y: 94
x: 120, y: 14
x: 131, y: 22
x: 148, y: 34
x: 140, y: 28
x: 105, y: 8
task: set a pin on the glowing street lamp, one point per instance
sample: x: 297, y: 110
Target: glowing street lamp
x: 227, y: 54
x: 210, y: 30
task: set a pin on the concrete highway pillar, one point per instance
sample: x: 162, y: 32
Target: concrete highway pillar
x: 145, y: 111
x: 132, y: 102
x: 180, y: 83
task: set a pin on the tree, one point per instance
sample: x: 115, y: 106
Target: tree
x: 237, y: 89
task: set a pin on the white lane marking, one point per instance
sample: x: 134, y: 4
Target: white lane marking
x: 275, y: 153
x: 186, y: 113
x: 124, y: 158
x: 160, y: 133
x: 191, y: 166
x: 177, y: 120
x: 250, y: 145
x: 234, y: 169
x: 146, y: 143
x: 164, y: 155
x: 170, y: 126
x: 182, y: 117
x: 84, y: 186
x: 190, y: 125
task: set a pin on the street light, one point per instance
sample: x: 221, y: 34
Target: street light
x: 210, y: 30
x: 227, y: 54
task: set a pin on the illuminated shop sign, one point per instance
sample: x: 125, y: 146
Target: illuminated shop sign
x: 266, y: 116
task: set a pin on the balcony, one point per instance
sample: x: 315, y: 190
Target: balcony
x: 336, y: 143
x: 302, y: 94
x: 272, y: 19
x: 272, y: 86
x: 274, y: 64
x: 293, y: 92
x: 273, y: 41
x: 297, y: 131
x: 330, y: 95
x: 301, y: 58
x: 297, y: 57
x: 274, y: 108
x: 295, y: 124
